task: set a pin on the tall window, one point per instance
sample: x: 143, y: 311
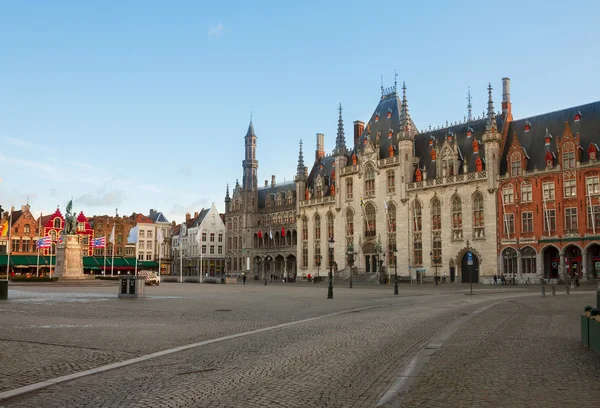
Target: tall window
x: 436, y: 215
x: 204, y: 237
x: 330, y: 225
x: 509, y: 258
x: 349, y: 193
x: 526, y: 196
x: 57, y: 223
x: 418, y: 250
x: 220, y: 237
x: 592, y: 185
x: 317, y: 226
x: 370, y: 181
x: 391, y: 181
x: 550, y: 220
x: 478, y: 220
x: 25, y: 245
x: 509, y: 223
x: 570, y: 188
x: 370, y: 229
x: 456, y: 217
x: 509, y: 194
x: 391, y: 217
x: 305, y: 255
x: 568, y: 158
x: 515, y: 164
x: 349, y: 227
x: 319, y: 187
x: 437, y: 249
x: 417, y: 216
x: 318, y: 257
x: 15, y: 245
x: 548, y: 189
x: 26, y: 230
x: 593, y: 217
x: 212, y: 237
x: 528, y: 260
x: 304, y: 228
x: 527, y: 222
x: 571, y: 219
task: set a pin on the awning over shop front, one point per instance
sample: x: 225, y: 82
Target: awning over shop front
x: 89, y: 262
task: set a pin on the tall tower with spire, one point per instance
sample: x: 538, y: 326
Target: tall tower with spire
x: 340, y: 140
x: 405, y: 144
x: 300, y: 179
x: 491, y: 141
x: 250, y: 164
x: 469, y: 106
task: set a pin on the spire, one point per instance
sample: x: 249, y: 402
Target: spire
x: 300, y: 168
x: 340, y: 140
x: 250, y: 132
x: 491, y: 116
x: 469, y: 106
x: 227, y: 193
x: 404, y: 115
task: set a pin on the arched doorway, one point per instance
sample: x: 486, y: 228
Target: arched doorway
x: 290, y: 268
x: 593, y: 257
x: 551, y: 262
x: 279, y: 263
x: 573, y: 261
x: 509, y: 262
x: 370, y: 258
x: 470, y: 273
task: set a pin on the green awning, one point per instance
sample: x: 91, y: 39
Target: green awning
x: 25, y: 260
x: 89, y: 262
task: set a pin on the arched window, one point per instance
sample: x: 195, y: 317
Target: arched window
x: 319, y: 187
x: 235, y: 224
x: 317, y: 226
x: 369, y: 181
x: 57, y: 223
x: 417, y: 216
x: 349, y: 193
x: 391, y: 217
x: 349, y: 227
x: 447, y: 163
x: 456, y: 217
x: 478, y: 221
x: 509, y: 260
x: 304, y: 228
x: 279, y: 199
x: 568, y: 156
x: 370, y: 228
x: 330, y: 225
x: 290, y: 198
x: 417, y: 234
x: 526, y: 192
x: 528, y: 261
x: 436, y: 214
x: 26, y: 229
x: 515, y: 164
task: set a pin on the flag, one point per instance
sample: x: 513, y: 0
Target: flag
x: 43, y: 242
x: 59, y: 239
x: 132, y: 238
x: 4, y: 229
x: 99, y: 243
x: 260, y: 236
x: 159, y: 236
x: 111, y: 238
x: 199, y: 237
x: 271, y: 234
x: 282, y: 231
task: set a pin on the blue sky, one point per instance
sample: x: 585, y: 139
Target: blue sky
x: 144, y: 104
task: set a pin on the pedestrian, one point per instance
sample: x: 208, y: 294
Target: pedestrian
x: 244, y: 278
x: 577, y: 280
x: 496, y: 280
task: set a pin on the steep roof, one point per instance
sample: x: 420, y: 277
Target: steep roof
x: 141, y: 218
x: 157, y: 216
x: 250, y: 131
x: 196, y: 222
x: 265, y: 192
x: 533, y: 141
x: 322, y: 167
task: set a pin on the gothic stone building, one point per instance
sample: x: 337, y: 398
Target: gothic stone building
x: 549, y: 196
x: 419, y: 200
x: 260, y: 222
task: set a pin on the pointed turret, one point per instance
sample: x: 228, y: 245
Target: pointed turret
x: 491, y: 116
x: 227, y: 197
x: 250, y: 132
x: 250, y: 164
x: 300, y: 168
x: 404, y: 115
x: 340, y: 140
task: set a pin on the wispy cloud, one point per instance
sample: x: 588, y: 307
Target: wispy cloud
x: 82, y: 165
x: 24, y: 144
x: 216, y: 30
x: 110, y: 198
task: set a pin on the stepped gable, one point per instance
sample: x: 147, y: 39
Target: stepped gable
x: 47, y: 220
x: 328, y: 164
x: 533, y: 140
x: 379, y: 122
x: 460, y: 136
x: 264, y: 192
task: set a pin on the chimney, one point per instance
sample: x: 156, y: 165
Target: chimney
x: 266, y: 183
x: 272, y: 181
x: 187, y: 216
x: 506, y: 106
x: 195, y: 214
x: 359, y: 127
x: 152, y: 212
x: 320, y: 152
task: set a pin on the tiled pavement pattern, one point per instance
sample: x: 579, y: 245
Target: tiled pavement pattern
x: 343, y: 361
x: 522, y: 353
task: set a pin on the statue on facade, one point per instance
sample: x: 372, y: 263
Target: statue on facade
x: 70, y: 220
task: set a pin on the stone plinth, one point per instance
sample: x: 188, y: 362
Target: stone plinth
x: 69, y: 261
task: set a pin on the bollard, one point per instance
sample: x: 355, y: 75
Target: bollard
x: 543, y: 291
x: 598, y: 299
x: 553, y: 290
x: 568, y: 290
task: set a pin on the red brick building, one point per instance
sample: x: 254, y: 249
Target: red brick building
x: 549, y: 196
x: 23, y: 232
x: 52, y: 225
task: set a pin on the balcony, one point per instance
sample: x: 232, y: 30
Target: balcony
x: 447, y: 181
x: 316, y: 201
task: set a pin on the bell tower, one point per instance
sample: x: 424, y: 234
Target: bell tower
x: 491, y: 140
x: 250, y: 164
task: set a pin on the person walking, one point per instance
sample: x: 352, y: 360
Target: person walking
x: 244, y: 278
x: 495, y: 280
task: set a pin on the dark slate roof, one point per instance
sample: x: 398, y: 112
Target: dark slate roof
x: 328, y: 163
x: 264, y: 192
x: 158, y: 216
x: 16, y: 215
x: 459, y: 136
x: 198, y: 220
x: 534, y: 140
x: 250, y: 131
x: 390, y: 102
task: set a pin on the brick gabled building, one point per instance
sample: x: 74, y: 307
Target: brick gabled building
x: 549, y: 196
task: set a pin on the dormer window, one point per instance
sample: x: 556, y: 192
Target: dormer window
x: 547, y: 138
x: 577, y: 117
x: 450, y: 135
x: 568, y: 160
x: 391, y: 151
x: 527, y: 126
x: 549, y: 159
x: 515, y: 165
x: 418, y: 175
x: 389, y: 113
x: 475, y: 146
x: 430, y: 142
x: 593, y: 151
x: 320, y: 188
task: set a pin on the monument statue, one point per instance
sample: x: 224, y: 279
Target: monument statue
x: 70, y: 220
x: 69, y: 258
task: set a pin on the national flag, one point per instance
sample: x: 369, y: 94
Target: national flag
x: 111, y: 238
x: 159, y: 236
x: 59, y: 241
x: 99, y: 242
x: 132, y: 238
x: 282, y: 231
x: 43, y: 242
x: 260, y: 236
x: 4, y: 229
x: 271, y: 234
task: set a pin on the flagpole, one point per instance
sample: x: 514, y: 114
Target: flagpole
x: 112, y: 262
x: 180, y: 256
x: 159, y: 253
x: 51, y: 256
x: 201, y: 271
x: 9, y: 244
x: 37, y: 268
x: 104, y: 266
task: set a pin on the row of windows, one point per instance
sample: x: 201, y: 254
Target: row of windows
x: 549, y: 220
x: 528, y: 261
x: 211, y: 250
x: 569, y: 190
x: 568, y: 159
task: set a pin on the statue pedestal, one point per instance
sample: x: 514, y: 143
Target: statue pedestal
x: 69, y: 260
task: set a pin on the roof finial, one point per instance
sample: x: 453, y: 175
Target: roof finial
x: 395, y: 79
x: 227, y: 191
x: 340, y: 140
x: 469, y: 106
x: 381, y: 85
x: 404, y: 116
x: 250, y: 116
x: 491, y: 116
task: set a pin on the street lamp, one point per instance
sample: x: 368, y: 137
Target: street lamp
x: 350, y: 254
x: 436, y: 261
x: 330, y: 288
x: 380, y: 258
x: 395, y: 271
x: 318, y: 258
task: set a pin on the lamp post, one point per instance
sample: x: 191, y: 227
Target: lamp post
x: 395, y: 271
x: 318, y: 258
x: 330, y: 288
x: 267, y: 260
x: 380, y: 258
x: 436, y: 261
x: 350, y: 254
